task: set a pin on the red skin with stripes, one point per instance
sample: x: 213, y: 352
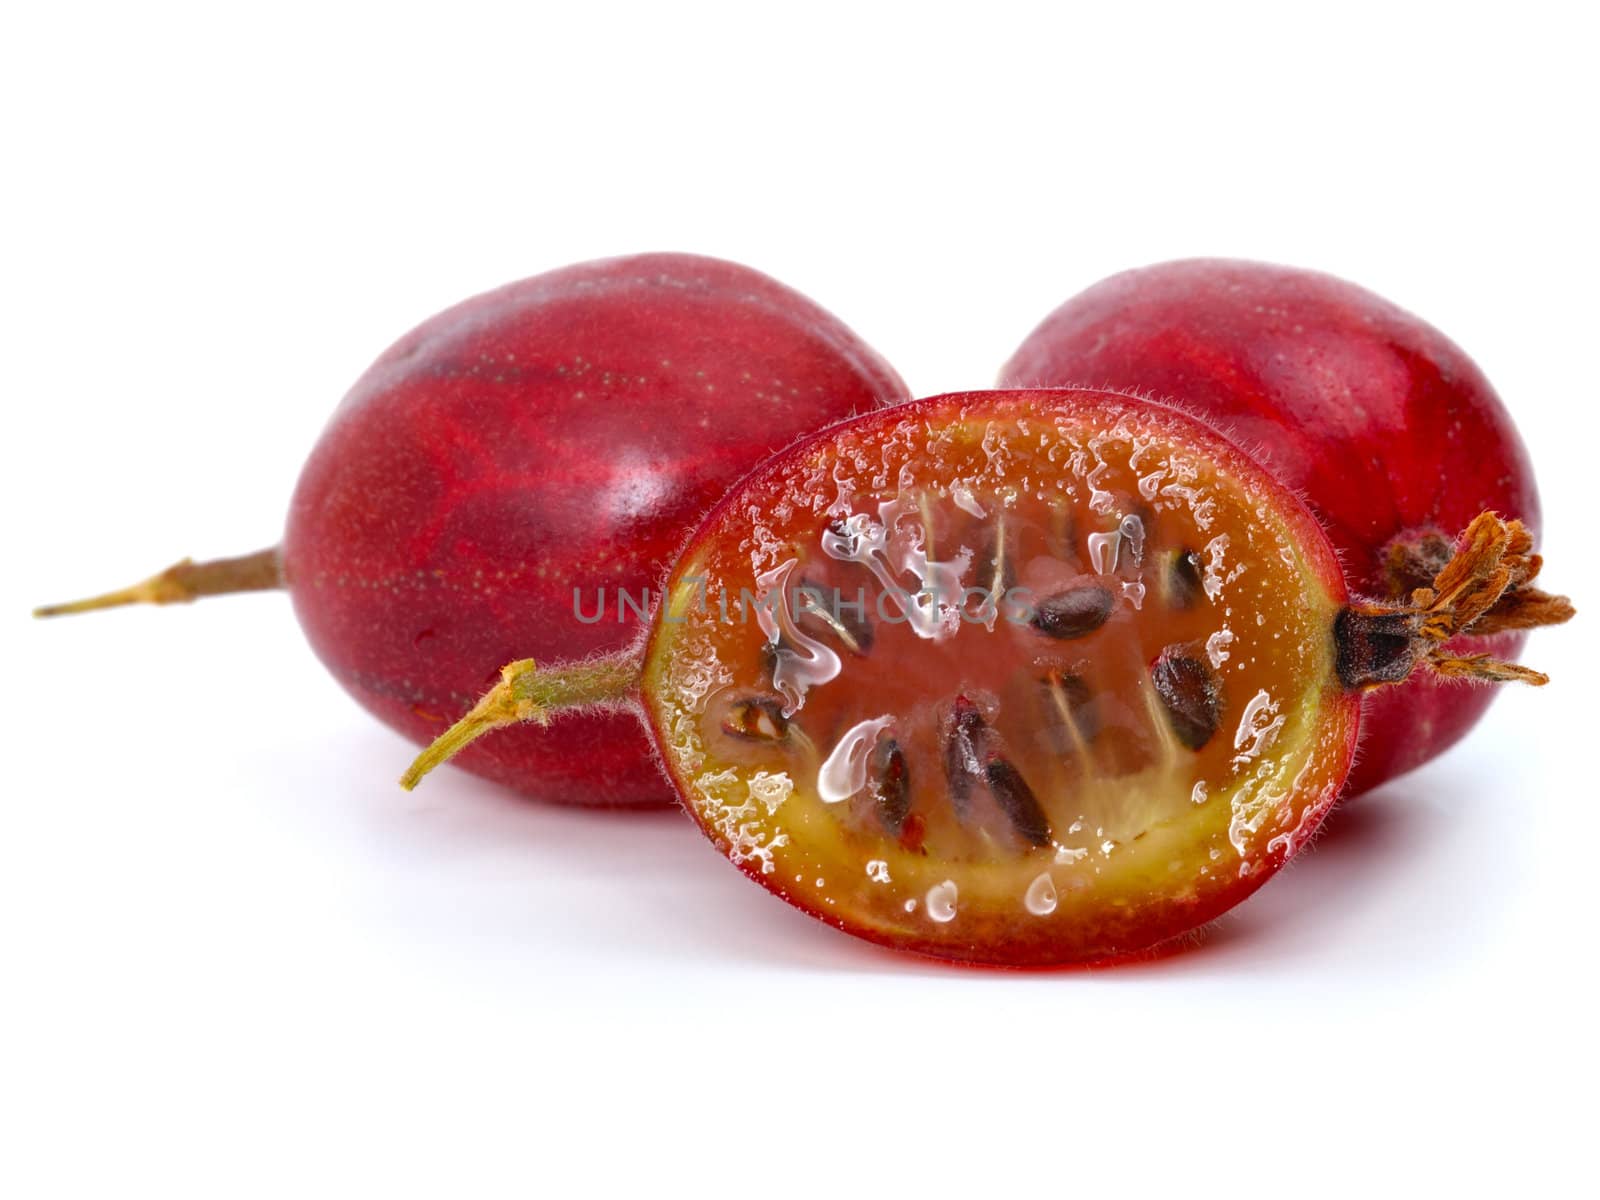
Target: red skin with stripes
x: 1382, y: 423
x: 567, y: 431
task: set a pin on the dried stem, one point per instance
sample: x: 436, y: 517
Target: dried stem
x: 186, y: 581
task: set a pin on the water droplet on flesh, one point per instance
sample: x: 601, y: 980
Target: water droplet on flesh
x: 941, y: 901
x: 844, y: 772
x: 1041, y: 897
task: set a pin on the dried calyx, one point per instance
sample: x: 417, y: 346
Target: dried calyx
x: 1482, y: 586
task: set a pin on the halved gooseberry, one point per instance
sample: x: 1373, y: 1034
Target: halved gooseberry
x: 1051, y: 751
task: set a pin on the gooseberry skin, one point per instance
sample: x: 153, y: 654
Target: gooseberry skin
x: 1386, y: 428
x: 563, y: 432
x: 1191, y: 867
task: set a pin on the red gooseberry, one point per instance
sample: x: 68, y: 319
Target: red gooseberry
x: 1389, y: 431
x: 565, y: 430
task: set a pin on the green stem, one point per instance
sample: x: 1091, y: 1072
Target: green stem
x: 528, y: 693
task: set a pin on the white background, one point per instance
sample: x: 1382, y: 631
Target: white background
x: 237, y: 959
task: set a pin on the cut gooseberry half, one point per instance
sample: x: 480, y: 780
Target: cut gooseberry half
x: 1021, y: 678
x: 1101, y: 698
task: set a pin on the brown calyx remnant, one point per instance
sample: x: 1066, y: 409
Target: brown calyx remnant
x: 1482, y: 585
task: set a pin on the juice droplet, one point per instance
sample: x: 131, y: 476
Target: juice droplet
x: 801, y: 663
x: 844, y: 773
x: 1103, y: 551
x: 1041, y: 897
x: 1217, y: 646
x: 941, y: 901
x: 887, y: 551
x: 1212, y: 583
x: 1132, y: 528
x: 966, y: 501
x: 1258, y: 725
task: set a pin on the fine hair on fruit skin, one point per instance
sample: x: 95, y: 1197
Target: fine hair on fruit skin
x: 1154, y: 719
x: 557, y: 435
x: 1390, y: 432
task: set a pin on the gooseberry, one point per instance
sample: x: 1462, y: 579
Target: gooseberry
x: 560, y: 433
x: 1389, y: 431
